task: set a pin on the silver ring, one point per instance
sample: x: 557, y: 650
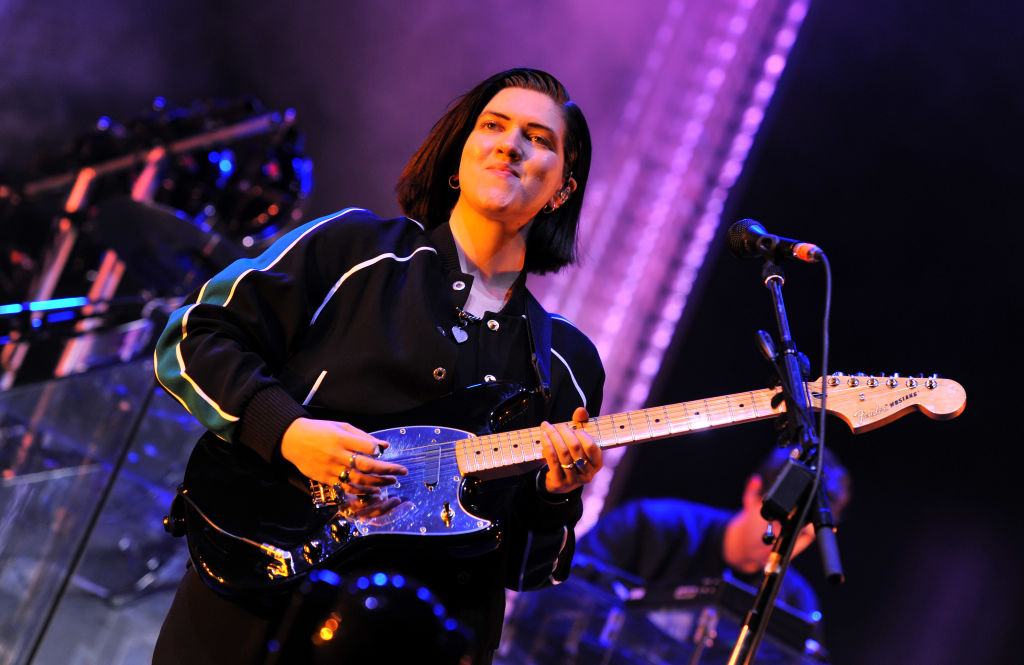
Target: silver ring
x: 352, y: 461
x: 343, y: 478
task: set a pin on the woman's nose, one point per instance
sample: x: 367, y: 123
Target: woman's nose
x: 510, y: 145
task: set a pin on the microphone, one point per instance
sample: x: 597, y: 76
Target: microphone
x: 748, y: 239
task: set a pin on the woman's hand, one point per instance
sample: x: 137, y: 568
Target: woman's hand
x: 339, y: 454
x: 572, y: 455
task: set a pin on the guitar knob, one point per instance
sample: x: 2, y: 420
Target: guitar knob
x: 312, y: 550
x: 340, y: 531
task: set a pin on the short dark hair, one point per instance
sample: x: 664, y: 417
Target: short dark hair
x: 835, y: 476
x: 425, y: 195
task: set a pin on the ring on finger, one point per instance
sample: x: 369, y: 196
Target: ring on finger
x: 343, y: 478
x: 570, y: 465
x: 580, y: 463
x: 352, y: 461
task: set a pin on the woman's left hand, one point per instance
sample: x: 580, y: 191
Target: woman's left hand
x: 572, y: 455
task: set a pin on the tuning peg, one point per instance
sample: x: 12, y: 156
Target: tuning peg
x: 769, y: 535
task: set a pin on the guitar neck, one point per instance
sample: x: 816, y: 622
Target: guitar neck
x: 512, y: 450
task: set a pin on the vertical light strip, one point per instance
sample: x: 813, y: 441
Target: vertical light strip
x: 655, y: 203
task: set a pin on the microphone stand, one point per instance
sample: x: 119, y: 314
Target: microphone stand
x: 787, y: 500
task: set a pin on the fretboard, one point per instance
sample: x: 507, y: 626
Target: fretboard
x: 512, y: 449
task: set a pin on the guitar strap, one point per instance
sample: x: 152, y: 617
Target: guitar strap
x: 538, y: 329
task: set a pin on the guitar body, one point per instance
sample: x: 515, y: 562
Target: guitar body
x: 253, y: 527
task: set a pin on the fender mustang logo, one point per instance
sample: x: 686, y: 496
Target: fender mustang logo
x: 864, y: 416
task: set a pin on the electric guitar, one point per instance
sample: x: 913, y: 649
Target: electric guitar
x: 255, y: 527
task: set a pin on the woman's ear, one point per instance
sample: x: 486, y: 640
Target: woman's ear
x: 563, y: 194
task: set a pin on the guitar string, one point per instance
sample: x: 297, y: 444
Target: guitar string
x: 605, y: 427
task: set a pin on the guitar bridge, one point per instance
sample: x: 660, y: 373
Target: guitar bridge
x: 323, y: 495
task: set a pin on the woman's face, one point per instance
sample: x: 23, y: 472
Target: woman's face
x: 512, y: 163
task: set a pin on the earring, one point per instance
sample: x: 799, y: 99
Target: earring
x: 453, y: 181
x: 547, y: 209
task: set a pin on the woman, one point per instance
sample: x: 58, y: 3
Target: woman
x: 370, y: 317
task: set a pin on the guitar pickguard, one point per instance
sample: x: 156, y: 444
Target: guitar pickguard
x: 430, y: 493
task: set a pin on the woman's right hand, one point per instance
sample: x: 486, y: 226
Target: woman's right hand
x: 337, y: 453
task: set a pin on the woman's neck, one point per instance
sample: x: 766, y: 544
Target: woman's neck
x: 489, y: 246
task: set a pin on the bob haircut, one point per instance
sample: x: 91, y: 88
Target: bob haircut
x: 424, y: 193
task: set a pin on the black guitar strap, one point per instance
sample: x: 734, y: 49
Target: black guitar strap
x: 538, y: 329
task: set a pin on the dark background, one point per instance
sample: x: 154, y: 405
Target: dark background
x: 893, y: 141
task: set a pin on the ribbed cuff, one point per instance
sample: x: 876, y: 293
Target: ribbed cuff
x: 540, y: 509
x: 542, y: 490
x: 266, y: 417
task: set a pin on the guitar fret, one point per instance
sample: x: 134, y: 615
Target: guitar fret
x: 517, y: 445
x: 647, y: 418
x: 492, y: 439
x: 685, y: 420
x: 616, y: 429
x: 593, y: 428
x: 697, y: 418
x: 478, y: 452
x: 662, y: 421
x: 501, y: 448
x: 715, y: 413
x: 629, y: 424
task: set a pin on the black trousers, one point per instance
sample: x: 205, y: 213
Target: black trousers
x: 204, y: 628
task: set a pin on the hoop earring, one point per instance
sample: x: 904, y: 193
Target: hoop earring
x: 453, y: 181
x: 547, y: 209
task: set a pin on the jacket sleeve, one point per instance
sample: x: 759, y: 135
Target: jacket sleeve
x: 543, y: 542
x: 220, y: 352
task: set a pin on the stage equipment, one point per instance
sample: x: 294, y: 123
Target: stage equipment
x: 797, y: 496
x: 137, y: 212
x: 89, y: 463
x: 601, y: 615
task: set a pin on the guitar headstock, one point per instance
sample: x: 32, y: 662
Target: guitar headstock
x: 868, y: 402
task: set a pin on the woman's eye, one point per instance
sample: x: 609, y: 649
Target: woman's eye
x: 488, y: 124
